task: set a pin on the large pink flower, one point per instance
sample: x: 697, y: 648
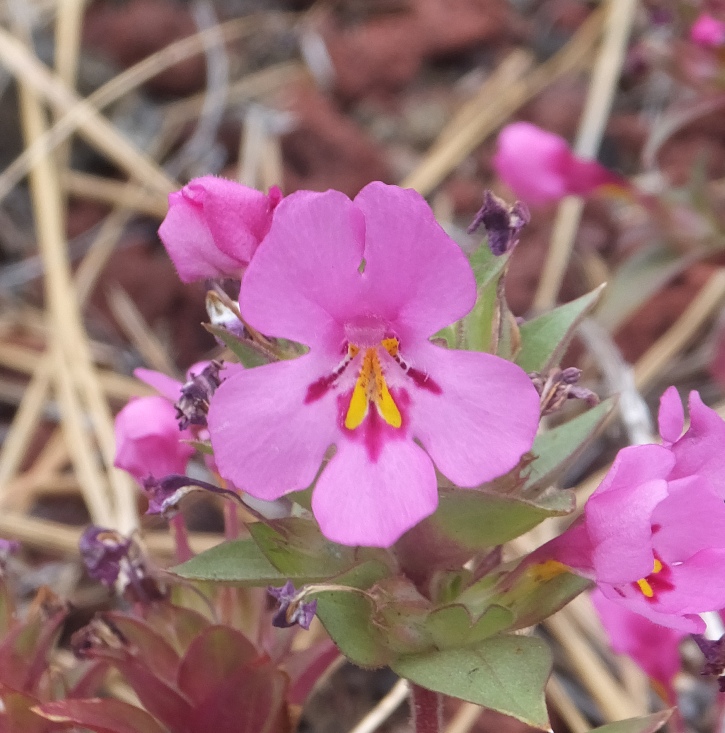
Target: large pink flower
x: 538, y: 166
x: 653, y: 536
x: 214, y: 226
x: 707, y: 31
x: 364, y: 284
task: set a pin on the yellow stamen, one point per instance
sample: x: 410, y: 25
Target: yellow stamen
x: 657, y: 567
x: 547, y: 570
x: 646, y: 588
x: 371, y: 387
x: 391, y: 346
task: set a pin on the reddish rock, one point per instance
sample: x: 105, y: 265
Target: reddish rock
x: 327, y: 149
x: 127, y: 32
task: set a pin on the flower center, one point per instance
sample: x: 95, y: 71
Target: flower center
x: 371, y: 387
x: 657, y: 581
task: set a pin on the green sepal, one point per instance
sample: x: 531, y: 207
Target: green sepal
x: 249, y: 354
x: 545, y: 338
x: 504, y: 673
x: 555, y: 449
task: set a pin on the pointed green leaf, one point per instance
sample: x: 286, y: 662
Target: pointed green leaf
x: 557, y: 448
x: 544, y: 339
x: 504, y: 673
x: 248, y: 354
x: 451, y: 626
x: 645, y: 724
x: 240, y: 562
x: 479, y: 325
x: 475, y: 519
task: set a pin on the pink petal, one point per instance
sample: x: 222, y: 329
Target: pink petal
x: 699, y: 584
x: 480, y: 420
x: 162, y: 383
x: 700, y: 450
x: 533, y: 162
x: 267, y: 440
x: 653, y: 647
x: 690, y: 519
x: 622, y: 537
x: 303, y: 283
x: 213, y: 227
x: 573, y: 548
x: 671, y: 417
x: 360, y: 502
x: 687, y: 623
x: 707, y: 31
x: 415, y: 274
x: 148, y: 439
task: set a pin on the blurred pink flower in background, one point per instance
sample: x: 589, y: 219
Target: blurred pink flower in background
x: 655, y: 648
x: 707, y: 31
x: 365, y: 284
x: 538, y: 166
x: 653, y: 535
x: 214, y: 226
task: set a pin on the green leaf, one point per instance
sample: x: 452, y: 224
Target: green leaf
x: 544, y: 339
x: 504, y: 673
x: 296, y: 548
x: 480, y: 324
x: 451, y: 626
x: 240, y: 562
x: 249, y: 355
x: 557, y: 448
x: 475, y: 519
x: 645, y: 724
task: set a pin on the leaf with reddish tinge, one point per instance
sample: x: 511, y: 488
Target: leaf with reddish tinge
x: 18, y: 715
x: 101, y: 716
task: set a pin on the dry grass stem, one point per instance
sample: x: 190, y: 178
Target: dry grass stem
x: 384, y: 709
x: 562, y: 703
x: 607, y: 69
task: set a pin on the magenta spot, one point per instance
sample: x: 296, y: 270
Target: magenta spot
x: 424, y: 381
x: 660, y: 582
x: 656, y: 528
x: 319, y: 388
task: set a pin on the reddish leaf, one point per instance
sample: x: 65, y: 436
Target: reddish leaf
x: 146, y: 645
x: 101, y: 715
x: 90, y: 681
x: 306, y: 667
x: 217, y: 654
x: 18, y: 715
x: 178, y: 625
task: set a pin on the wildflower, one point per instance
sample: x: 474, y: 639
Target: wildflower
x: 501, y: 222
x: 365, y: 284
x: 292, y: 609
x: 539, y: 167
x: 103, y: 551
x: 707, y: 31
x: 653, y: 536
x: 559, y: 385
x: 214, y: 226
x: 654, y: 648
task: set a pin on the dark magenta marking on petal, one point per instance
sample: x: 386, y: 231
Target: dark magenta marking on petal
x: 659, y: 582
x: 320, y: 388
x: 424, y: 381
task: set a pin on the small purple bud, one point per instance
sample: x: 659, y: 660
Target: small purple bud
x: 557, y: 386
x: 291, y: 610
x: 102, y: 551
x: 502, y: 222
x: 714, y: 653
x: 165, y: 494
x: 193, y: 406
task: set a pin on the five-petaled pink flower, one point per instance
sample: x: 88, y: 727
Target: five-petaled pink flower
x: 653, y: 537
x: 708, y: 31
x: 365, y: 284
x: 654, y: 648
x: 214, y: 226
x: 539, y: 167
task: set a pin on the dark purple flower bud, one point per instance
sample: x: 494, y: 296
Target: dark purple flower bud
x: 714, y: 652
x: 193, y: 406
x: 292, y: 609
x: 558, y: 386
x: 502, y: 222
x: 165, y: 494
x: 102, y: 551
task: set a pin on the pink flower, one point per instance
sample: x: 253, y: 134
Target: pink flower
x: 148, y: 439
x: 707, y: 31
x: 214, y: 226
x: 365, y: 284
x: 538, y: 166
x: 654, y: 648
x: 653, y: 535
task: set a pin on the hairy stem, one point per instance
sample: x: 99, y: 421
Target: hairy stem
x: 427, y: 709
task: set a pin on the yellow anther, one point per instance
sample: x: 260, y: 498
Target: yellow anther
x: 371, y: 387
x: 657, y: 566
x: 541, y: 572
x: 391, y: 346
x: 646, y: 588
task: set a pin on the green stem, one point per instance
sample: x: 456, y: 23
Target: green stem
x: 427, y: 710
